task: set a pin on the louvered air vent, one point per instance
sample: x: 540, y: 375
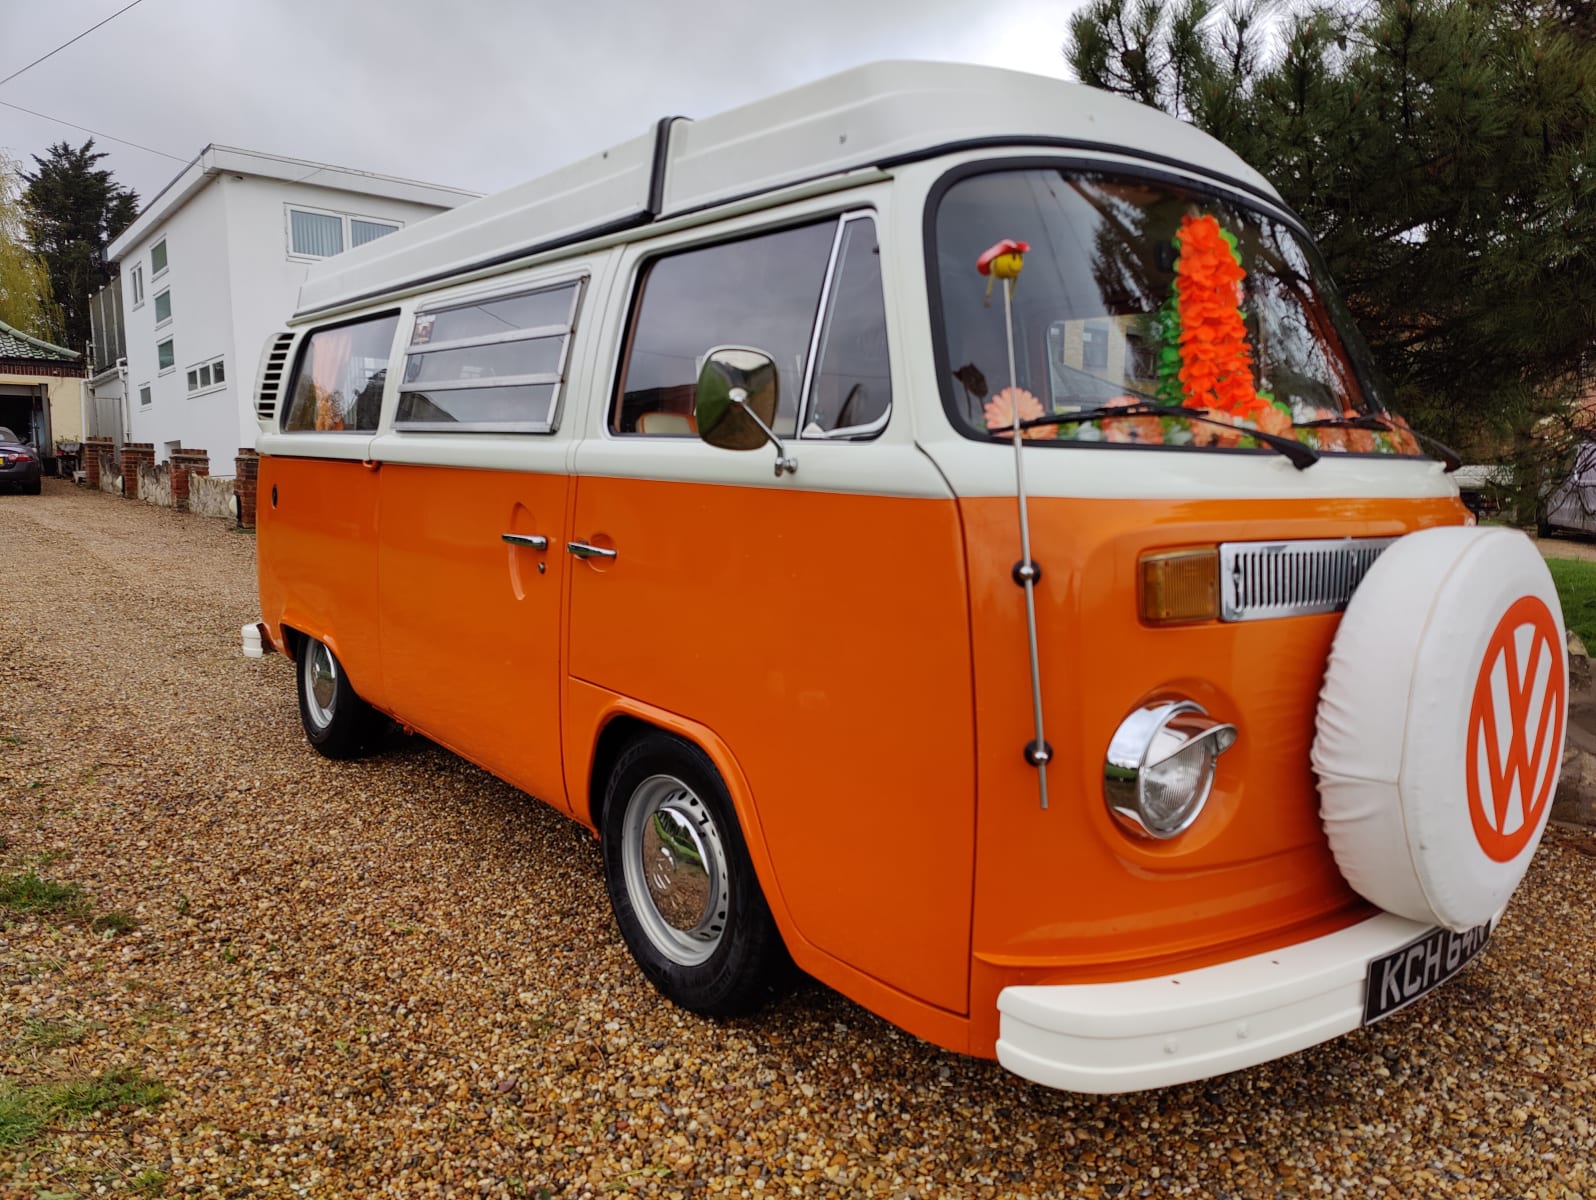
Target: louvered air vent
x: 273, y: 363
x: 1292, y: 579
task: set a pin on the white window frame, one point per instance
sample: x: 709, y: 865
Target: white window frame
x: 161, y: 246
x: 162, y: 323
x: 136, y: 279
x: 213, y: 386
x: 160, y: 370
x: 146, y: 395
x: 344, y: 217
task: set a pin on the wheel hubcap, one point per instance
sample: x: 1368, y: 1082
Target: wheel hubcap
x: 675, y: 868
x: 321, y: 678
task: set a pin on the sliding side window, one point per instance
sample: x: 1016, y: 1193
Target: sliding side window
x: 338, y: 382
x: 489, y: 366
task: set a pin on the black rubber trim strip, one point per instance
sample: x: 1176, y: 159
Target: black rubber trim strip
x: 656, y: 178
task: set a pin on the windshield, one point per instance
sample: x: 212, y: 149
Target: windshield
x: 1136, y: 290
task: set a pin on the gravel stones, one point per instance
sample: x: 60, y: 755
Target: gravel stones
x: 399, y: 977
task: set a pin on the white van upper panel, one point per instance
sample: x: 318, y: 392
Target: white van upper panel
x: 976, y: 468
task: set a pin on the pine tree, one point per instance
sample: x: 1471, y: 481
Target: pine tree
x: 74, y: 209
x: 25, y: 301
x: 1442, y: 152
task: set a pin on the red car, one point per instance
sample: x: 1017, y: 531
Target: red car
x: 19, y: 464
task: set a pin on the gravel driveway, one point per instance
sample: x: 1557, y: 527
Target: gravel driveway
x: 399, y: 977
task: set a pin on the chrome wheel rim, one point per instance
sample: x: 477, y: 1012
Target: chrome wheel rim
x: 321, y: 684
x: 674, y: 864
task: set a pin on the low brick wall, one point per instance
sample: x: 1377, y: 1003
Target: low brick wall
x: 187, y: 466
x: 248, y: 464
x: 135, y: 455
x: 95, y: 451
x: 210, y: 497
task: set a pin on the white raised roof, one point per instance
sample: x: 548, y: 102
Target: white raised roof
x: 860, y: 118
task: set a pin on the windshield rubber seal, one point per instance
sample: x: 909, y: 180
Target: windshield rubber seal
x: 1240, y: 193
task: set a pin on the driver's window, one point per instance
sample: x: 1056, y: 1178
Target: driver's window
x: 851, y: 394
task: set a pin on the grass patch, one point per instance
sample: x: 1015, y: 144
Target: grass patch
x: 1576, y: 588
x: 50, y: 1035
x: 149, y: 1182
x: 24, y: 1111
x: 28, y: 891
x: 114, y: 923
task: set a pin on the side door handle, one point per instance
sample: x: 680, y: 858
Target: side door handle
x: 588, y: 550
x: 533, y: 541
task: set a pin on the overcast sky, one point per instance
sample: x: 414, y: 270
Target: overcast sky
x: 477, y: 94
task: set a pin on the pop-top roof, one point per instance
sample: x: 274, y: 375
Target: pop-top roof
x: 16, y: 344
x: 866, y: 117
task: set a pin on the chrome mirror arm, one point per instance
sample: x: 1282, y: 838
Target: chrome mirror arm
x: 784, y: 461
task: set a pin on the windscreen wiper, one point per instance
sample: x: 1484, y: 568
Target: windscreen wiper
x: 1302, y: 457
x: 1449, y: 457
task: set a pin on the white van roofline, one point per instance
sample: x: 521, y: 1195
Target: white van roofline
x: 869, y: 116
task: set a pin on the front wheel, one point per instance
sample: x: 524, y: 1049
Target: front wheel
x: 681, y: 883
x: 338, y: 723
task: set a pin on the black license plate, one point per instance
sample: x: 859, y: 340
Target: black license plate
x: 1397, y: 979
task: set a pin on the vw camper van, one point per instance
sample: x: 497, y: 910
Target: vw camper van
x: 940, y: 528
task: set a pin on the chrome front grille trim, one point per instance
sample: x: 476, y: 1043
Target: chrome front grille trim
x: 1260, y: 580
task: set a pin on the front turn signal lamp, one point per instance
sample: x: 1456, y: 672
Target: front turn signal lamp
x: 1175, y: 586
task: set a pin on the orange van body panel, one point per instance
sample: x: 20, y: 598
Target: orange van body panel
x: 825, y: 638
x: 316, y: 548
x: 1069, y: 889
x: 588, y: 709
x: 470, y: 625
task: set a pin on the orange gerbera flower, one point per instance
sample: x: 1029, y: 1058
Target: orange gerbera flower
x: 1145, y: 430
x: 1216, y: 361
x: 1015, y: 404
x: 1274, y: 419
x: 1204, y: 433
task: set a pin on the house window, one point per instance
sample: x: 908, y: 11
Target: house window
x: 136, y: 277
x: 144, y: 395
x: 339, y: 379
x: 163, y: 307
x: 494, y: 363
x: 315, y: 235
x: 205, y: 376
x: 164, y: 358
x: 318, y: 234
x: 361, y: 232
x: 158, y: 258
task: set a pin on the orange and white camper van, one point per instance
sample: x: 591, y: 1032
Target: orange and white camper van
x: 940, y: 526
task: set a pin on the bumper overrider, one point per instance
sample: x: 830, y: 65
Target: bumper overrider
x: 1149, y: 1033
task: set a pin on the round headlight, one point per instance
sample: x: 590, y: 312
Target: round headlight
x: 1160, y: 766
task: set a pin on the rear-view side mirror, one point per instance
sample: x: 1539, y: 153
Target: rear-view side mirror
x: 735, y: 402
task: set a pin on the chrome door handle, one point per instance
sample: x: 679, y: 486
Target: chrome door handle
x: 533, y: 541
x: 588, y: 550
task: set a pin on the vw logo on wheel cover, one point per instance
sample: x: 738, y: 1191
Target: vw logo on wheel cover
x: 1516, y: 729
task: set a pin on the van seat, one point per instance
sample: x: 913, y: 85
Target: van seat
x: 667, y: 423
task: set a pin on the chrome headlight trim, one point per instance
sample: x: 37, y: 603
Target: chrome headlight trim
x: 1149, y: 737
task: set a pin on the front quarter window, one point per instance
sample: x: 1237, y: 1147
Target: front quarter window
x: 1142, y: 290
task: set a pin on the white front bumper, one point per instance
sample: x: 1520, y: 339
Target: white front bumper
x: 1146, y: 1033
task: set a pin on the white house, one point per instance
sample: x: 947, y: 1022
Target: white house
x: 213, y: 265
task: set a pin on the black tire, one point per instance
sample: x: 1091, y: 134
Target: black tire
x: 338, y: 723
x: 719, y: 952
x: 34, y: 488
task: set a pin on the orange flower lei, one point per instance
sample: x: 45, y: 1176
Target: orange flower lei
x: 1216, y: 362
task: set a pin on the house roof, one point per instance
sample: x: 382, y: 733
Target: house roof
x: 229, y: 160
x: 865, y: 120
x: 16, y: 344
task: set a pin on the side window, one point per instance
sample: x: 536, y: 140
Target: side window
x: 493, y: 364
x: 338, y: 382
x: 761, y: 292
x: 851, y: 395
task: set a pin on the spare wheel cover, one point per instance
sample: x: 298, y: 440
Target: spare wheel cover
x: 1440, y: 727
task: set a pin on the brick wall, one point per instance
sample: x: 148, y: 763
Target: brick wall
x: 133, y: 454
x: 186, y: 463
x: 93, y: 448
x: 247, y: 469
